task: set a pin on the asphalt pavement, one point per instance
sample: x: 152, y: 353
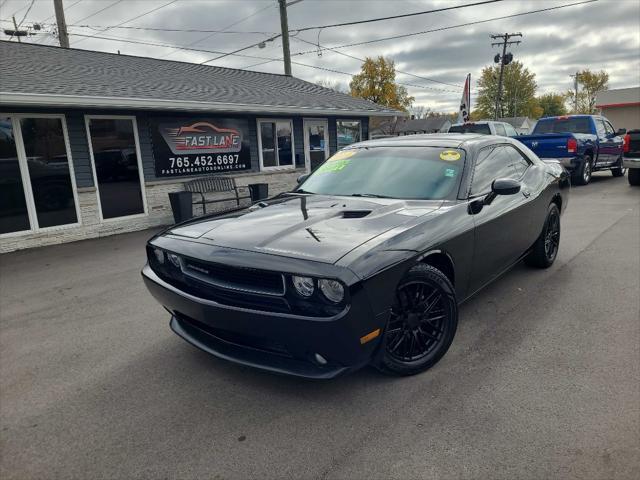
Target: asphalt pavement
x: 542, y: 380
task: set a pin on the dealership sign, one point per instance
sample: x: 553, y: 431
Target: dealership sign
x: 200, y: 146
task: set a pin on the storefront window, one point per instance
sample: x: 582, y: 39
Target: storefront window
x: 115, y: 160
x: 276, y: 143
x: 349, y: 131
x: 14, y: 215
x: 36, y: 178
x: 46, y: 153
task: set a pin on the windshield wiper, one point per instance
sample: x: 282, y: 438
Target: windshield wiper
x: 371, y: 195
x: 300, y: 191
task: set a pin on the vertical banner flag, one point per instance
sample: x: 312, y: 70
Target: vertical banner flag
x: 465, y: 103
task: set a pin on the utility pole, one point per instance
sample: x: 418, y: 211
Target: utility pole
x: 15, y: 25
x: 504, y: 59
x: 284, y: 26
x: 575, y: 87
x: 63, y: 35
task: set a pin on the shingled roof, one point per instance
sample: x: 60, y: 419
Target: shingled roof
x: 44, y: 75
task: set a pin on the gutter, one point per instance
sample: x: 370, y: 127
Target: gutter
x: 48, y: 100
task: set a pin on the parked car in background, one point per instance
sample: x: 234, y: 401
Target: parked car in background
x: 366, y: 261
x: 583, y: 144
x: 632, y: 156
x: 485, y: 127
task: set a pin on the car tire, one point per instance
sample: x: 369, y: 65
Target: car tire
x: 618, y: 170
x: 582, y: 176
x: 423, y: 322
x: 545, y: 250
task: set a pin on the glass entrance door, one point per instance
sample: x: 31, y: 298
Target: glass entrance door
x: 316, y: 143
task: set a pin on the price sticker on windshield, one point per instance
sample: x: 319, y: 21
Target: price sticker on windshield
x: 450, y: 156
x: 333, y: 166
x: 342, y: 155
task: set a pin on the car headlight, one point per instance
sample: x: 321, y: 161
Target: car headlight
x: 332, y: 289
x: 174, y: 259
x: 159, y: 254
x: 303, y: 285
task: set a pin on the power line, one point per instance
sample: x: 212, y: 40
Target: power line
x: 213, y: 33
x: 399, y: 71
x: 379, y: 19
x: 405, y: 35
x: 135, y: 18
x: 320, y: 27
x: 113, y: 4
x: 66, y: 10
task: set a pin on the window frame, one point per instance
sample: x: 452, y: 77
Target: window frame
x: 277, y: 167
x: 348, y: 120
x: 25, y: 177
x: 143, y: 192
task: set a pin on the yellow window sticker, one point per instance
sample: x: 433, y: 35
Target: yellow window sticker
x: 450, y: 155
x: 333, y: 166
x: 343, y: 154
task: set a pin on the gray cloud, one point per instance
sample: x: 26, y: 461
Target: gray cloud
x: 602, y: 35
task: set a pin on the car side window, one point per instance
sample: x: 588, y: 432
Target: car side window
x: 491, y: 163
x: 602, y: 131
x: 517, y: 160
x: 500, y: 130
x: 511, y: 132
x: 609, y: 128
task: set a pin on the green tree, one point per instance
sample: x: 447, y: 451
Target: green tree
x: 589, y: 83
x: 377, y: 82
x: 552, y: 104
x: 518, y: 92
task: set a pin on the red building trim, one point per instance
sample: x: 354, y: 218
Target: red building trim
x: 629, y: 104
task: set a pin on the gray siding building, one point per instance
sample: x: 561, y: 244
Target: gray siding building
x: 91, y: 143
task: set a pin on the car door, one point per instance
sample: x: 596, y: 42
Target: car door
x: 502, y: 229
x: 605, y: 144
x: 615, y: 140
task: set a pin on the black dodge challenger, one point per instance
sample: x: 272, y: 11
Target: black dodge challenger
x: 366, y: 261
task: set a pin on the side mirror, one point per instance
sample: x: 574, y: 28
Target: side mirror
x: 501, y: 186
x: 621, y: 131
x: 505, y: 186
x: 302, y: 178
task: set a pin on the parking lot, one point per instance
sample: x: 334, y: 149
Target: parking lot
x: 542, y: 380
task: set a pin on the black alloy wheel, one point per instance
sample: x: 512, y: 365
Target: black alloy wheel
x: 552, y: 235
x: 545, y: 250
x: 423, y: 321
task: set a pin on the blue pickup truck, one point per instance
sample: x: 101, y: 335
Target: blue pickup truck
x: 582, y: 143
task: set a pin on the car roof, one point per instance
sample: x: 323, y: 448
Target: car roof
x: 447, y: 140
x: 477, y: 122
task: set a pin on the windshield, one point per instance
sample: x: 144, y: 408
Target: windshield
x: 482, y: 128
x: 421, y: 173
x: 563, y: 125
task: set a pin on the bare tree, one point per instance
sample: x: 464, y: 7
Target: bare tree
x: 332, y: 85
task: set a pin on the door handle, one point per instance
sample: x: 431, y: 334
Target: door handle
x: 526, y: 193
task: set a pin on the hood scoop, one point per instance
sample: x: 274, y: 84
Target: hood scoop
x: 355, y: 213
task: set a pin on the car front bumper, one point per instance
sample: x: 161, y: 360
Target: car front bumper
x: 276, y: 342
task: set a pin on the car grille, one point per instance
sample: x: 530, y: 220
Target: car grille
x: 224, y: 277
x: 242, y: 340
x: 234, y: 298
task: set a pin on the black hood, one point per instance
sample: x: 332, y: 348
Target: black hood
x: 315, y: 227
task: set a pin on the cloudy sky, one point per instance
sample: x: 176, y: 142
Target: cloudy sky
x: 604, y: 34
